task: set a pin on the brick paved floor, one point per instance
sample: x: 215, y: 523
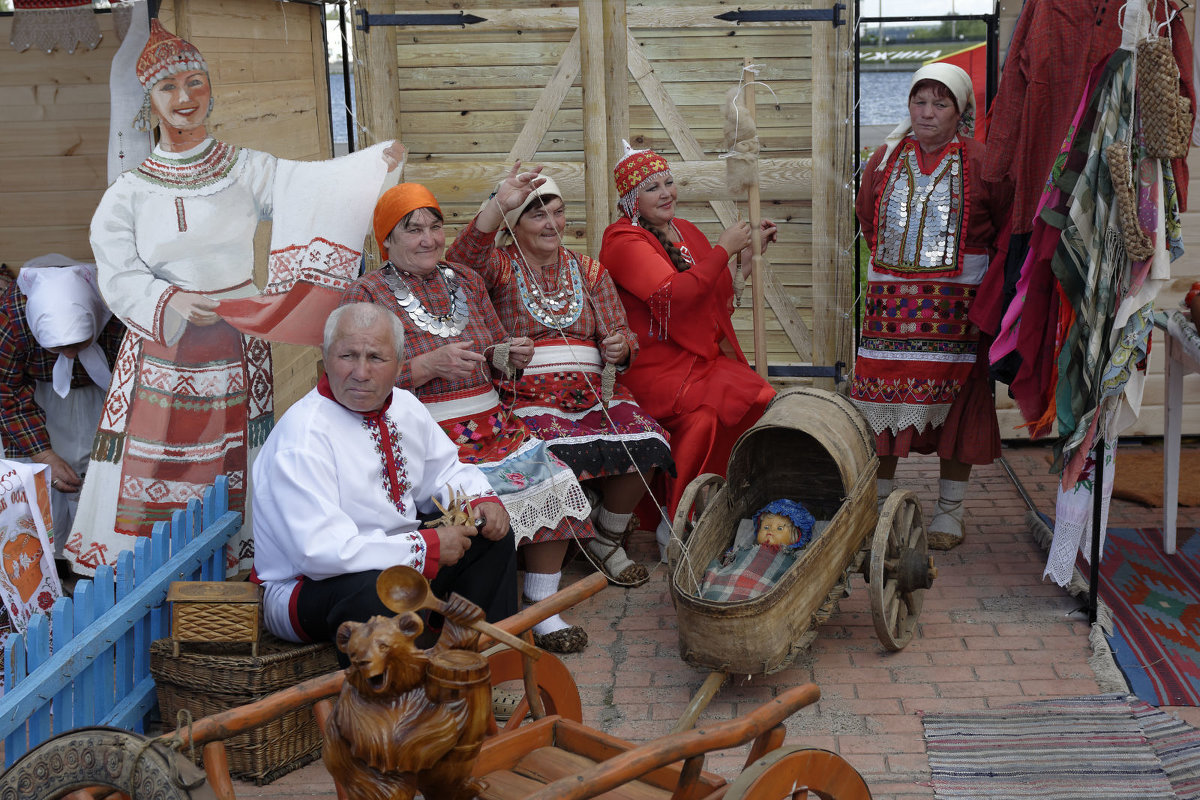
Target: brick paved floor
x: 992, y: 632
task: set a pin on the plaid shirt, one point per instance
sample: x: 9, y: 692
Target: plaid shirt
x: 477, y: 250
x: 24, y: 362
x: 483, y: 327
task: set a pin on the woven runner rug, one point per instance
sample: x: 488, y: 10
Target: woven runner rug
x: 1078, y: 748
x: 1155, y: 603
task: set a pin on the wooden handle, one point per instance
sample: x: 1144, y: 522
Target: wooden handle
x: 501, y: 635
x: 753, y: 203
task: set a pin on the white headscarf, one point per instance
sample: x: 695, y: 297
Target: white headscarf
x: 63, y: 307
x: 548, y: 188
x: 953, y: 78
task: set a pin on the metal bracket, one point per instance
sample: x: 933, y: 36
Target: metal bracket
x: 833, y: 14
x: 367, y: 19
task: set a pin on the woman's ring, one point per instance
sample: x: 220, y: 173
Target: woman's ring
x: 53, y: 482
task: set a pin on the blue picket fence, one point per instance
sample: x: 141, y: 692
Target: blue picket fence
x: 98, y: 671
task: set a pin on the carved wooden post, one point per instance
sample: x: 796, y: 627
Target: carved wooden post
x: 595, y: 146
x: 616, y: 89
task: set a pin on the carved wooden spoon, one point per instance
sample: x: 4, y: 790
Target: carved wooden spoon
x: 402, y: 588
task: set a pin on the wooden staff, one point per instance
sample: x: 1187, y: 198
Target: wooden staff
x: 756, y: 260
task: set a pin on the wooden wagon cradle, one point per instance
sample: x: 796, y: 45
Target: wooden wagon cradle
x: 814, y: 447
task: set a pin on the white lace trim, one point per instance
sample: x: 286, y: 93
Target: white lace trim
x: 1073, y: 523
x: 546, y: 504
x: 898, y: 416
x: 48, y: 29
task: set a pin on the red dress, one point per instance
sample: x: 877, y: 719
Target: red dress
x: 690, y: 373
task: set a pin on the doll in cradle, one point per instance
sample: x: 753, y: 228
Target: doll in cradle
x: 781, y: 530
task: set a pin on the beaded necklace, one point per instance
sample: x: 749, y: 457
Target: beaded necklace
x: 452, y: 323
x: 558, y: 308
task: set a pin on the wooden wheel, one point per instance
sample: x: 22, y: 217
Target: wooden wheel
x: 556, y: 687
x: 796, y: 773
x: 900, y: 570
x: 696, y: 497
x: 116, y: 759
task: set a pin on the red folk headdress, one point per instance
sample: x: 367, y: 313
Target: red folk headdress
x: 164, y: 55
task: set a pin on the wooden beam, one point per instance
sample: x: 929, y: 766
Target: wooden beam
x: 677, y: 128
x: 830, y: 211
x: 320, y: 65
x: 648, y: 16
x: 616, y: 94
x: 539, y: 119
x: 787, y: 179
x: 595, y: 143
x: 376, y: 79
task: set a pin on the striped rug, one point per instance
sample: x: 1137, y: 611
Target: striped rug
x: 1078, y: 748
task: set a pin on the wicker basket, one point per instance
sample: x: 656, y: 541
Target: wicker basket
x: 204, y: 680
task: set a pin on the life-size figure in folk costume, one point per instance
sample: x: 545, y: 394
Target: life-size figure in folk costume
x: 931, y: 221
x: 191, y: 396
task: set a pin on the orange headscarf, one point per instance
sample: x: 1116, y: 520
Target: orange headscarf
x: 396, y: 204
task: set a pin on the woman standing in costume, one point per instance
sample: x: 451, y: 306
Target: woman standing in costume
x: 191, y: 396
x: 567, y: 304
x: 58, y: 342
x: 677, y: 290
x: 931, y: 222
x: 451, y: 332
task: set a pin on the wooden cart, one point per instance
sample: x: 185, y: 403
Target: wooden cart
x: 814, y: 447
x: 554, y: 757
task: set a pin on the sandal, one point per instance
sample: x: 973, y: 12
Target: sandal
x: 505, y: 702
x: 624, y: 571
x: 566, y: 640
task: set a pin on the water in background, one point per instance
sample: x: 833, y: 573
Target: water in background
x: 883, y: 100
x: 883, y: 97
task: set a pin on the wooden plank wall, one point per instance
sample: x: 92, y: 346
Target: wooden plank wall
x: 266, y: 61
x: 465, y: 93
x: 1183, y: 272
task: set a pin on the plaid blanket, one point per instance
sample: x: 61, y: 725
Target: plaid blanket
x: 745, y: 572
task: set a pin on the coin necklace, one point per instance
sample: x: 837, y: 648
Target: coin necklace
x: 452, y: 323
x: 559, y: 308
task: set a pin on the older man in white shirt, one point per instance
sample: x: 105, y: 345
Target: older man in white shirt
x: 342, y: 481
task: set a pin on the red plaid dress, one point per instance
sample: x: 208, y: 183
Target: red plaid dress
x: 557, y: 394
x: 468, y: 409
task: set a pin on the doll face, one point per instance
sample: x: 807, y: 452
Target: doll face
x: 776, y: 529
x: 182, y: 100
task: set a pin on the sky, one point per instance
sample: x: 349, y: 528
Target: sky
x: 922, y: 8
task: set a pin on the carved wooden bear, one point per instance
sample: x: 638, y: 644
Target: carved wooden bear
x: 409, y: 719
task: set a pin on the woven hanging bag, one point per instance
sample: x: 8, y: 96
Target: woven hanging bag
x: 1138, y: 245
x: 1166, y: 115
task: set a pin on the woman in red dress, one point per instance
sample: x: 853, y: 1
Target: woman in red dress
x: 677, y: 290
x: 931, y: 222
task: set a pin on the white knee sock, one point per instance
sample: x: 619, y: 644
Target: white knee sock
x: 948, y: 516
x: 539, y: 586
x: 612, y: 522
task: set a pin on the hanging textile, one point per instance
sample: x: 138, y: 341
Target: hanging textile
x: 49, y: 25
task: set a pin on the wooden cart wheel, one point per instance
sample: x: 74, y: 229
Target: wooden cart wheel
x: 900, y: 569
x: 696, y: 497
x: 793, y: 773
x: 116, y: 759
x: 556, y: 687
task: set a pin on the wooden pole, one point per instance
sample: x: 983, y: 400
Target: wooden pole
x: 753, y: 203
x: 376, y: 77
x: 830, y: 207
x: 595, y: 142
x: 377, y: 86
x: 616, y: 88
